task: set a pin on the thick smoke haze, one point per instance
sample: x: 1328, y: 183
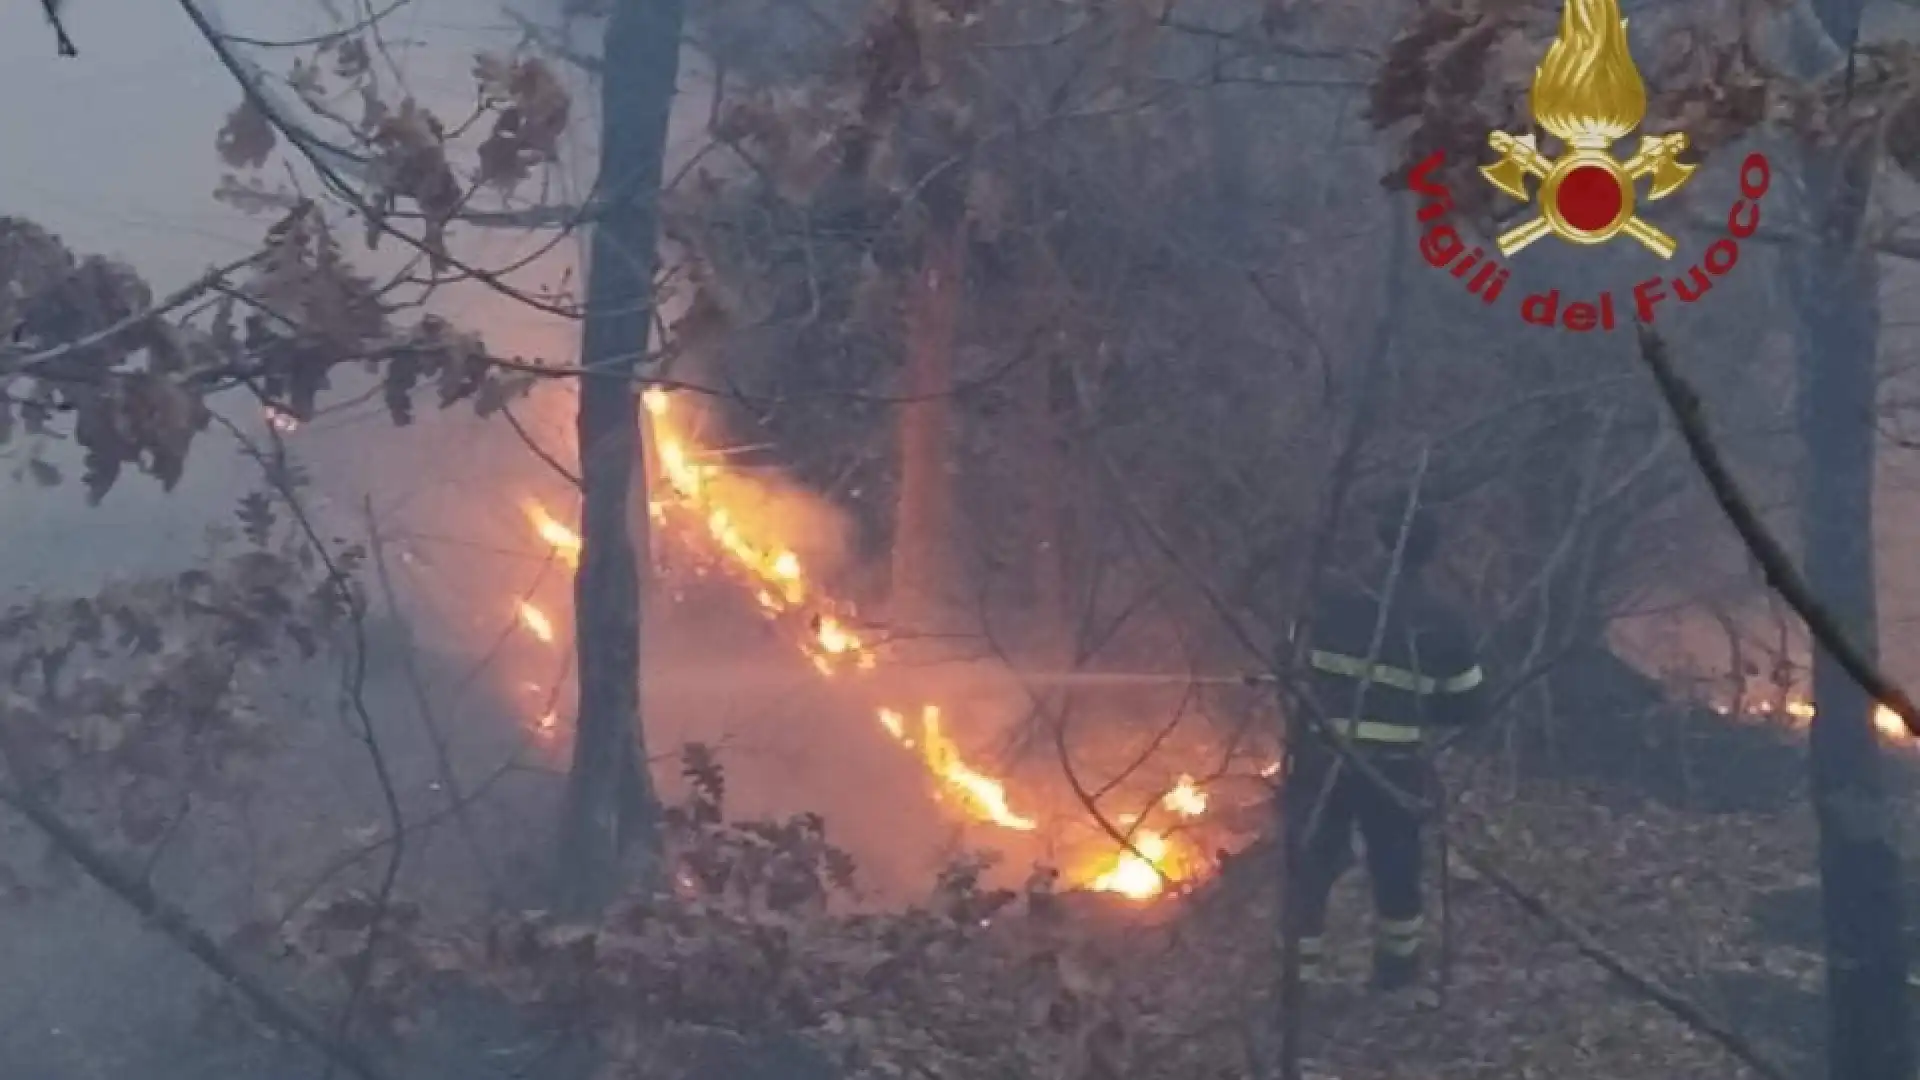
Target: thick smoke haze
x: 1135, y: 406
x: 114, y: 152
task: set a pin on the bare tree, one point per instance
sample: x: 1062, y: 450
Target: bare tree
x: 609, y: 797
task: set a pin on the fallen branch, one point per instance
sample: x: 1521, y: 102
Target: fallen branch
x: 1646, y: 986
x: 1778, y: 568
x: 180, y: 928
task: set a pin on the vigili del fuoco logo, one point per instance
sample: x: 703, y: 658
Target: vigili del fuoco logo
x: 1588, y: 94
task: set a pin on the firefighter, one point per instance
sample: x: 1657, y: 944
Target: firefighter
x: 1425, y: 676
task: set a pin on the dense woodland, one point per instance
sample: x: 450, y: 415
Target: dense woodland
x: 871, y: 495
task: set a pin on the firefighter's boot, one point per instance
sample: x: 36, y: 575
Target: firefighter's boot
x: 1396, y: 954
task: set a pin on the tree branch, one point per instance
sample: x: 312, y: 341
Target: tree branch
x: 369, y: 21
x: 32, y: 363
x: 354, y: 684
x: 180, y: 928
x: 62, y: 43
x: 1645, y: 985
x: 311, y: 147
x: 1774, y: 563
x: 423, y: 706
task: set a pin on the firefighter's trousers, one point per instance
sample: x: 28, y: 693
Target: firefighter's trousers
x: 1348, y: 800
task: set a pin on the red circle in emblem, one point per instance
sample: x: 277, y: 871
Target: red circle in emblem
x: 1588, y: 198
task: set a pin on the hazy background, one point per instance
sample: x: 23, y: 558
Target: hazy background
x: 114, y: 151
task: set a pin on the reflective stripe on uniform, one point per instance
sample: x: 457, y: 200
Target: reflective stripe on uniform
x: 1400, y: 946
x: 1400, y: 937
x: 1312, y: 956
x: 1355, y: 667
x: 1376, y: 731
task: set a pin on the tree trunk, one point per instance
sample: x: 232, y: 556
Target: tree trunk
x: 924, y: 567
x: 609, y: 798
x: 1836, y: 287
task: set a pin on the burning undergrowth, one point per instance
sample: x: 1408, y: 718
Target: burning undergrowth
x: 756, y: 940
x: 718, y: 527
x: 756, y: 933
x: 1687, y: 729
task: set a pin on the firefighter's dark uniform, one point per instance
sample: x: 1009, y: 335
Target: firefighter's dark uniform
x: 1424, y: 676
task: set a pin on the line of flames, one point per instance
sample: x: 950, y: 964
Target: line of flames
x: 1800, y: 711
x: 782, y: 589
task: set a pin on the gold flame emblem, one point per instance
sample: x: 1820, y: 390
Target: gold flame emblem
x: 1588, y: 94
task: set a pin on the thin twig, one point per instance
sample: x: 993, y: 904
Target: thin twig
x: 368, y: 21
x: 533, y: 445
x: 274, y: 467
x: 310, y: 147
x: 423, y: 704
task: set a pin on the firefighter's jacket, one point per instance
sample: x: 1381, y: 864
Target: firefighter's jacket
x: 1425, y: 674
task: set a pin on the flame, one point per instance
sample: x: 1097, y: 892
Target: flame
x: 1144, y: 872
x: 1800, y: 709
x: 1136, y: 874
x: 1587, y: 90
x: 692, y: 502
x: 984, y: 796
x: 536, y: 622
x: 1186, y: 798
x: 564, y: 541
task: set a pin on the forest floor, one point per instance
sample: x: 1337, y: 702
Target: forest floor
x: 1686, y: 898
x: 1716, y: 900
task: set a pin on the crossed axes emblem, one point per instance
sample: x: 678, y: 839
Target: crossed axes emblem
x: 1599, y: 204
